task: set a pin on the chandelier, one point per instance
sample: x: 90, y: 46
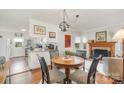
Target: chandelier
x: 64, y: 25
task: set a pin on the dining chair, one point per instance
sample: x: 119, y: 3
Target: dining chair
x: 53, y: 53
x: 50, y: 76
x: 83, y: 77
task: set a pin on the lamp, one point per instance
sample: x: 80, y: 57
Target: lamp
x: 120, y: 36
x: 64, y: 25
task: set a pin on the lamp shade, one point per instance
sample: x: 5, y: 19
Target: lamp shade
x: 119, y: 35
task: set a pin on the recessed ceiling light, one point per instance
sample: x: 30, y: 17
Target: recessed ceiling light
x: 23, y: 30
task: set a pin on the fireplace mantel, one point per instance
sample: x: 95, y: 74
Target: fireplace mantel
x: 109, y: 45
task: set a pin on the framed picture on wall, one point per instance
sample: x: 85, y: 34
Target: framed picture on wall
x: 67, y: 41
x: 41, y: 30
x: 52, y: 35
x: 101, y: 36
x: 18, y: 44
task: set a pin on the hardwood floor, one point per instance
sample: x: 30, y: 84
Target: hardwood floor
x: 20, y: 73
x: 101, y: 79
x: 18, y: 65
x: 28, y: 77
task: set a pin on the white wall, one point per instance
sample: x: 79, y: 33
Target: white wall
x: 52, y: 28
x: 111, y: 30
x: 84, y: 35
x: 14, y: 51
x: 4, y: 48
x: 49, y: 28
x: 61, y: 41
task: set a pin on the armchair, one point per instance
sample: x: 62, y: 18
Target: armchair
x: 113, y: 66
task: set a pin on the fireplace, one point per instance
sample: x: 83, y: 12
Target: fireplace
x: 103, y: 52
x: 107, y: 49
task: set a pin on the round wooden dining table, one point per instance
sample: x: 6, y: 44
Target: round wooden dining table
x: 68, y: 64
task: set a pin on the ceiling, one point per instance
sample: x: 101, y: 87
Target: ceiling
x: 88, y: 18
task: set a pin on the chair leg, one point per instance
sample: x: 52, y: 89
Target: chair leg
x: 64, y: 81
x: 51, y: 66
x: 42, y: 81
x: 67, y: 81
